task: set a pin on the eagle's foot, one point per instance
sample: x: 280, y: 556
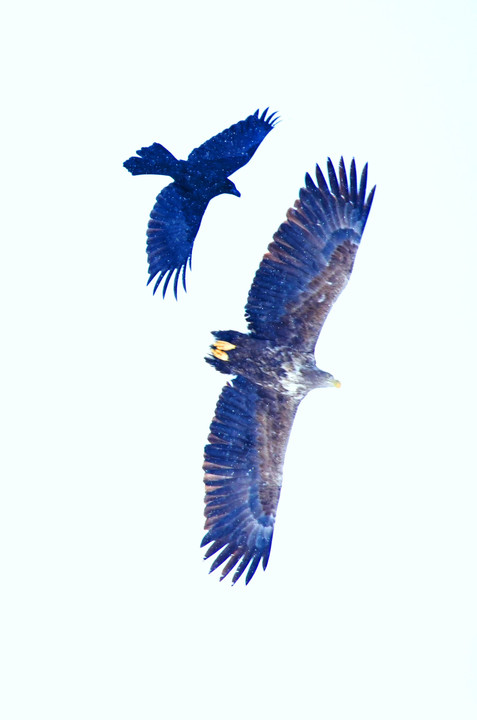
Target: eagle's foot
x: 224, y: 345
x: 219, y: 354
x: 219, y: 347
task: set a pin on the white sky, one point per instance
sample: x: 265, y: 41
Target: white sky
x: 367, y: 608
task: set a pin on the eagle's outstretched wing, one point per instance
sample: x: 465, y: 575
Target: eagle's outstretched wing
x: 310, y: 259
x: 232, y: 148
x: 243, y: 474
x: 173, y: 225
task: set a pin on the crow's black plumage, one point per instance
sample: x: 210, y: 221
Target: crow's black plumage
x: 177, y: 214
x: 305, y: 269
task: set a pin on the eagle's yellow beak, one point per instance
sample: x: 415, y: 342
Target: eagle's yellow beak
x: 336, y: 383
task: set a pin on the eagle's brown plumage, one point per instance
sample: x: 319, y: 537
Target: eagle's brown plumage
x: 305, y: 269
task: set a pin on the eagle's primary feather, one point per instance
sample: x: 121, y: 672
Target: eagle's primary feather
x: 305, y: 269
x: 176, y: 216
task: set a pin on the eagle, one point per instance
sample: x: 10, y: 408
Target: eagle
x: 305, y: 269
x: 175, y: 218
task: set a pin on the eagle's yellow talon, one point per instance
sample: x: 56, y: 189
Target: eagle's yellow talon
x: 224, y: 345
x: 219, y: 354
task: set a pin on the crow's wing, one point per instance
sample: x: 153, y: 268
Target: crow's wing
x: 231, y: 149
x: 310, y: 259
x: 243, y: 474
x: 173, y: 225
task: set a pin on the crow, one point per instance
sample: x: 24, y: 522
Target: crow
x: 175, y: 218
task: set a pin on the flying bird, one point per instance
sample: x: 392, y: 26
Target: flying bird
x: 305, y: 269
x: 175, y: 218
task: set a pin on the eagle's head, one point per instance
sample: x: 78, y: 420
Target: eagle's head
x: 327, y: 380
x: 319, y: 378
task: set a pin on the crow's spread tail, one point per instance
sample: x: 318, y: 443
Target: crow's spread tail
x: 153, y: 160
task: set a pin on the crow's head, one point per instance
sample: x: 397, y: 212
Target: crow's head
x: 228, y: 187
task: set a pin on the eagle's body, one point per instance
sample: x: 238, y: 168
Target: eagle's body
x: 305, y: 269
x: 291, y: 370
x: 175, y: 218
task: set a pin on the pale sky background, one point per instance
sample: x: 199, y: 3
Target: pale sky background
x: 368, y: 606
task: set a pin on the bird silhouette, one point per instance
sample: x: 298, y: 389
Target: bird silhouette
x: 304, y: 271
x: 175, y: 218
